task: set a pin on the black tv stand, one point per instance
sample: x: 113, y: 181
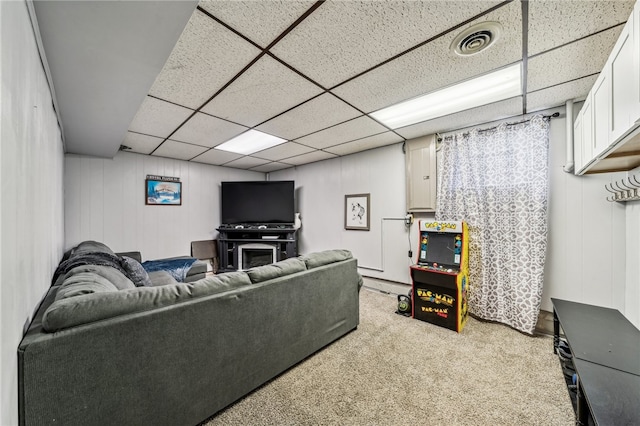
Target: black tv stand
x: 255, y: 227
x: 231, y: 236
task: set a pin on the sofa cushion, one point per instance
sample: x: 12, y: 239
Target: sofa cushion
x: 135, y: 272
x: 84, y: 283
x: 87, y: 308
x: 91, y: 247
x: 161, y: 277
x: 84, y: 258
x: 219, y: 283
x: 275, y: 270
x: 314, y: 260
x: 114, y: 276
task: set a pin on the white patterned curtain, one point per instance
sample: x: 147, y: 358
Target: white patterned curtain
x: 497, y: 181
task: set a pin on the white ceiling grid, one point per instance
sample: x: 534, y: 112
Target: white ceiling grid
x: 311, y: 72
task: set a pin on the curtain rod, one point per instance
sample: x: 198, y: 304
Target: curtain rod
x: 544, y: 117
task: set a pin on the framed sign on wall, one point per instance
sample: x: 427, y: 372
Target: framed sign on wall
x: 356, y: 212
x: 163, y: 192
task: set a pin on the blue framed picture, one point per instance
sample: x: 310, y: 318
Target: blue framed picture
x: 163, y: 193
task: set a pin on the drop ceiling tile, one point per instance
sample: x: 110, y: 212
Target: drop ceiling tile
x: 178, y: 150
x: 246, y: 162
x: 319, y: 113
x: 263, y: 91
x: 469, y: 118
x: 575, y: 60
x: 284, y: 150
x: 433, y: 65
x: 216, y: 157
x: 158, y: 118
x: 141, y: 144
x: 376, y: 141
x: 205, y: 130
x: 343, y: 38
x: 198, y: 67
x: 353, y: 129
x: 560, y: 94
x: 309, y: 158
x: 271, y: 167
x: 261, y: 22
x: 554, y: 23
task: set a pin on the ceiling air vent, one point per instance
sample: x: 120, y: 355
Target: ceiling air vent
x: 476, y: 38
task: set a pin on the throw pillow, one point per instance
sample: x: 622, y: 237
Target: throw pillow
x: 136, y: 272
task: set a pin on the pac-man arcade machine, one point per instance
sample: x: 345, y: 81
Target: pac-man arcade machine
x: 440, y: 277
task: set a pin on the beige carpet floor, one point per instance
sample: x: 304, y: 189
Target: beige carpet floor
x: 395, y: 370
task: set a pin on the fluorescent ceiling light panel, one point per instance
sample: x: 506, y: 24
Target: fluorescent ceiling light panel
x: 496, y: 86
x: 249, y: 142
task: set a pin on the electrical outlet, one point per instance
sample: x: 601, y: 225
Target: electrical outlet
x: 408, y: 219
x: 410, y: 253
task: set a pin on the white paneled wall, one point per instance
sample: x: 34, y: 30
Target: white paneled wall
x: 632, y: 290
x: 381, y: 251
x: 31, y: 210
x: 586, y: 246
x: 105, y: 201
x: 587, y: 250
x: 586, y: 256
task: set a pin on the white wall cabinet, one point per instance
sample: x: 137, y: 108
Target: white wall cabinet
x: 601, y: 113
x: 583, y: 135
x: 420, y: 159
x: 577, y: 141
x: 609, y: 124
x: 624, y: 84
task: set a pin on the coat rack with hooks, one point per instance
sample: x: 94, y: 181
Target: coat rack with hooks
x: 627, y: 189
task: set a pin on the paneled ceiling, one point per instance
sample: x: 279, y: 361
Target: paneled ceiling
x: 312, y: 72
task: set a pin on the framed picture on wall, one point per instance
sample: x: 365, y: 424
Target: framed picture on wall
x: 163, y: 192
x: 356, y: 212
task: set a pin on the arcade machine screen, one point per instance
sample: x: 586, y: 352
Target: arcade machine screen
x: 440, y: 250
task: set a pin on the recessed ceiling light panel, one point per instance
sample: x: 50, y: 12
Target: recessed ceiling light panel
x: 249, y: 142
x: 476, y: 38
x: 496, y: 86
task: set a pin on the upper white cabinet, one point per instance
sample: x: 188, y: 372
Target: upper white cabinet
x: 608, y: 124
x: 624, y: 83
x: 577, y: 142
x: 601, y: 113
x: 587, y: 140
x: 420, y: 158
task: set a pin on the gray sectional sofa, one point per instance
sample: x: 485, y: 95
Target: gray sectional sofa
x: 101, y: 350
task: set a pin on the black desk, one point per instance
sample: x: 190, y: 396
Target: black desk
x: 599, y: 335
x: 606, y: 357
x: 616, y: 408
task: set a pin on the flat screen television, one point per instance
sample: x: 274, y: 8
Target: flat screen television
x: 257, y: 202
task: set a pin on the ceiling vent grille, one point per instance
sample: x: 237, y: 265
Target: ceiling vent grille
x: 476, y: 38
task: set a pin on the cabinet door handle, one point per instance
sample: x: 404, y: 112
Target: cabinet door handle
x: 425, y: 177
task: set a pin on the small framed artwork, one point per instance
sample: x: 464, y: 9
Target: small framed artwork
x: 163, y: 192
x: 356, y: 212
